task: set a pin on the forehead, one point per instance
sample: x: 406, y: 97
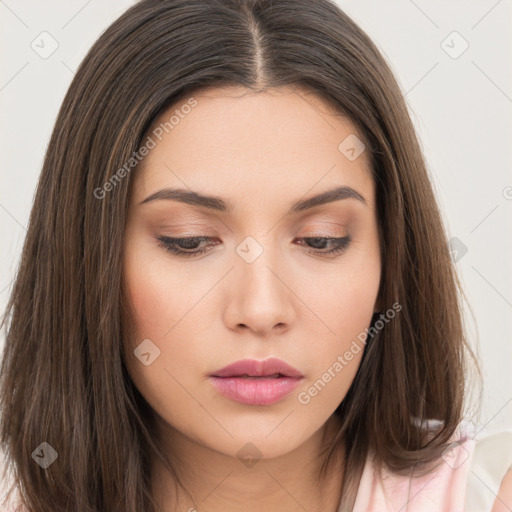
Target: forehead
x: 226, y: 140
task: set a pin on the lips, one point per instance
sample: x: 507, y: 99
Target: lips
x: 254, y: 382
x: 272, y: 367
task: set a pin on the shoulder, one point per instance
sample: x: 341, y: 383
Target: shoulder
x: 10, y: 500
x: 490, y: 480
x: 474, y: 475
x: 383, y: 490
x: 503, y: 501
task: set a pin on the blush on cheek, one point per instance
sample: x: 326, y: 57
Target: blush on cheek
x: 148, y: 315
x: 144, y: 304
x: 157, y: 302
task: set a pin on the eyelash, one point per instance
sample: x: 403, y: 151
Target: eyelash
x: 168, y: 243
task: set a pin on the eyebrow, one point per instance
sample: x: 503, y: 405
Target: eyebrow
x: 221, y: 205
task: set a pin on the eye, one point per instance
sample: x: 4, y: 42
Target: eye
x: 339, y: 245
x: 189, y: 246
x: 183, y: 246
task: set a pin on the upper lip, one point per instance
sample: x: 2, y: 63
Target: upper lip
x: 254, y: 368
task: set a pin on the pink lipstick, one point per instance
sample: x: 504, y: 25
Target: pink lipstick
x: 255, y: 382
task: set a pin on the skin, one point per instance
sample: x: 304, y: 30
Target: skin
x: 261, y: 152
x: 503, y: 502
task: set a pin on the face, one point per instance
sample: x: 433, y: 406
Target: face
x: 264, y: 273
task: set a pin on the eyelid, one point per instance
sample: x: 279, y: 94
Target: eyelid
x: 193, y: 218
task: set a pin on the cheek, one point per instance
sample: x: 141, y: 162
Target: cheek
x: 162, y: 301
x: 148, y: 305
x: 153, y: 291
x: 344, y: 303
x: 156, y: 309
x: 342, y: 299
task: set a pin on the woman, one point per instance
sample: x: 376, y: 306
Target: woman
x: 235, y: 290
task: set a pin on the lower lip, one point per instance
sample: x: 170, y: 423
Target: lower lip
x: 255, y: 391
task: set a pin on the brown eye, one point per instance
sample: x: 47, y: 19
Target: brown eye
x: 339, y: 245
x: 190, y: 246
x: 184, y: 246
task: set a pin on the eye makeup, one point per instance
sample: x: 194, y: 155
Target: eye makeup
x: 190, y: 246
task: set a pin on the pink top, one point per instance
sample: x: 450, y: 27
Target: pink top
x: 467, y: 480
x: 443, y: 490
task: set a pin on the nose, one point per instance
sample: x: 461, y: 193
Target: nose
x: 260, y: 296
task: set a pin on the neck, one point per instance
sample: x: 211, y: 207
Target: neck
x: 217, y: 482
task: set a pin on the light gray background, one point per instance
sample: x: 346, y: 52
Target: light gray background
x: 462, y: 108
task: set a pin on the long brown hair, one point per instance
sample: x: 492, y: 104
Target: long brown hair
x: 63, y: 374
